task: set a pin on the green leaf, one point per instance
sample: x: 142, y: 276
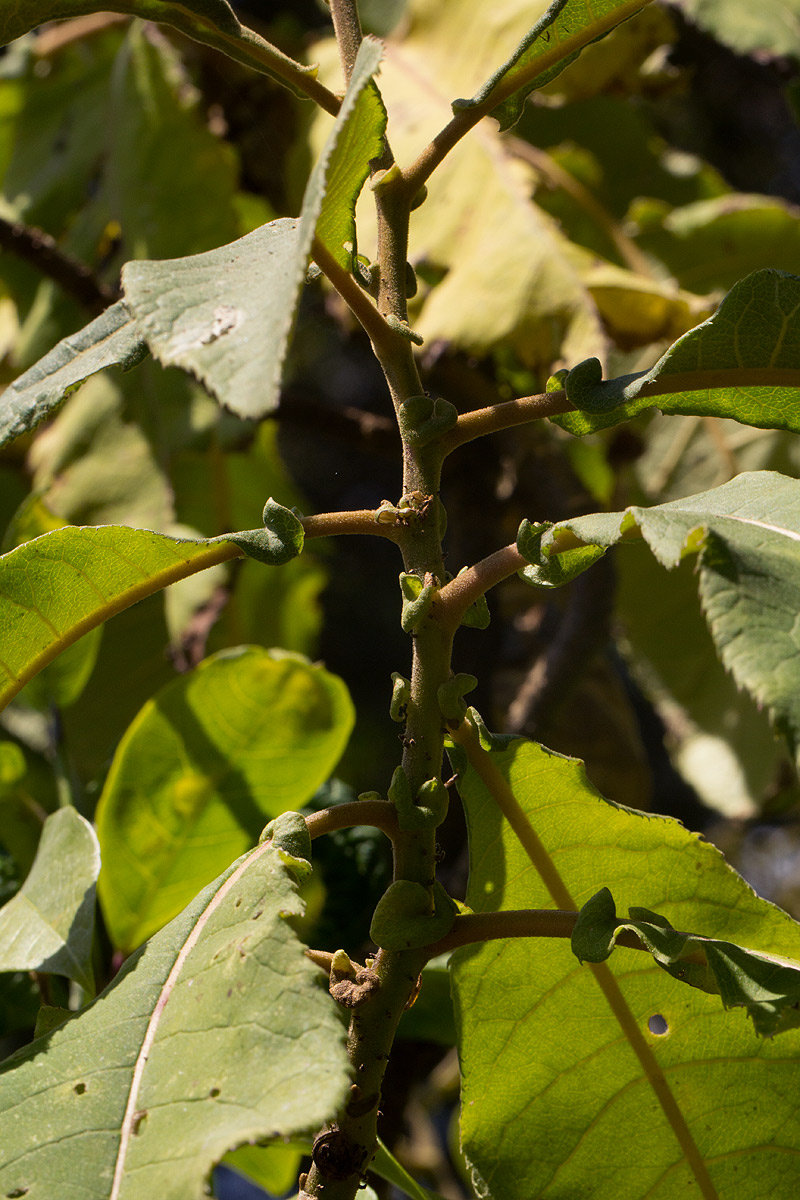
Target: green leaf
x: 768, y: 987
x: 742, y: 362
x: 713, y: 243
x: 771, y: 27
x: 278, y: 542
x: 201, y: 770
x: 48, y: 925
x: 59, y: 586
x: 550, y: 45
x: 387, y: 1167
x: 214, y: 1034
x: 546, y: 571
x: 227, y: 316
x: 111, y: 339
x: 478, y: 224
x: 746, y: 533
x: 212, y: 22
x: 550, y: 1077
x: 273, y: 1167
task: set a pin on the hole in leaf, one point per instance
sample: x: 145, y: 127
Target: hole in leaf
x: 79, y: 1089
x: 658, y: 1025
x: 214, y: 1093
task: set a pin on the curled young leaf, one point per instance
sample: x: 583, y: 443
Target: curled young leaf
x: 768, y: 987
x: 278, y: 542
x: 410, y: 915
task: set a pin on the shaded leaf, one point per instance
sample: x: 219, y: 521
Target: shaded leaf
x: 771, y: 27
x: 226, y: 316
x: 713, y: 243
x: 387, y: 1167
x: 550, y: 45
x: 212, y: 22
x: 768, y: 987
x: 742, y: 362
x: 549, y: 1075
x: 48, y: 925
x: 273, y: 1167
x: 111, y: 339
x: 201, y: 770
x: 214, y: 1034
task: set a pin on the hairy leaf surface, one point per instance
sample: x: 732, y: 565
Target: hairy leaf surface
x: 48, y: 925
x: 549, y: 1076
x: 227, y: 316
x: 769, y: 28
x: 213, y: 1034
x: 204, y: 766
x: 743, y: 362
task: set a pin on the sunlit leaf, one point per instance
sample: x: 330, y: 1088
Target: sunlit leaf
x: 48, y: 925
x: 550, y: 1076
x: 767, y: 987
x: 226, y: 316
x: 747, y: 534
x: 59, y: 586
x: 545, y: 49
x: 111, y: 339
x: 204, y: 766
x: 215, y: 1033
x: 742, y: 362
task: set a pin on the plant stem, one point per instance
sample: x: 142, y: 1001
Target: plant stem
x: 38, y: 248
x: 337, y: 523
x: 377, y: 813
x: 456, y: 596
x: 347, y: 27
x: 471, y: 928
x: 482, y: 421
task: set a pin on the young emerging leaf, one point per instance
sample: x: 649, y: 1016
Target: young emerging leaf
x: 49, y: 924
x: 215, y: 1033
x: 279, y: 542
x: 768, y: 987
x: 743, y: 362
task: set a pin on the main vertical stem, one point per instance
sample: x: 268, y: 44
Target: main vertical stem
x: 342, y: 1154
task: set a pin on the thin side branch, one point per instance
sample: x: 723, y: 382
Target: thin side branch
x: 455, y: 597
x: 358, y: 521
x: 483, y: 421
x: 470, y: 928
x: 355, y: 298
x: 380, y: 814
x: 42, y: 251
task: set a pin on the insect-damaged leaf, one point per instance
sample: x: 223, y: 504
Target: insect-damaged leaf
x: 213, y: 1034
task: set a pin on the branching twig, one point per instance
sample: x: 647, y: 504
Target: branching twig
x: 483, y: 421
x: 359, y: 521
x: 470, y: 928
x: 455, y: 597
x: 380, y: 814
x: 42, y: 251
